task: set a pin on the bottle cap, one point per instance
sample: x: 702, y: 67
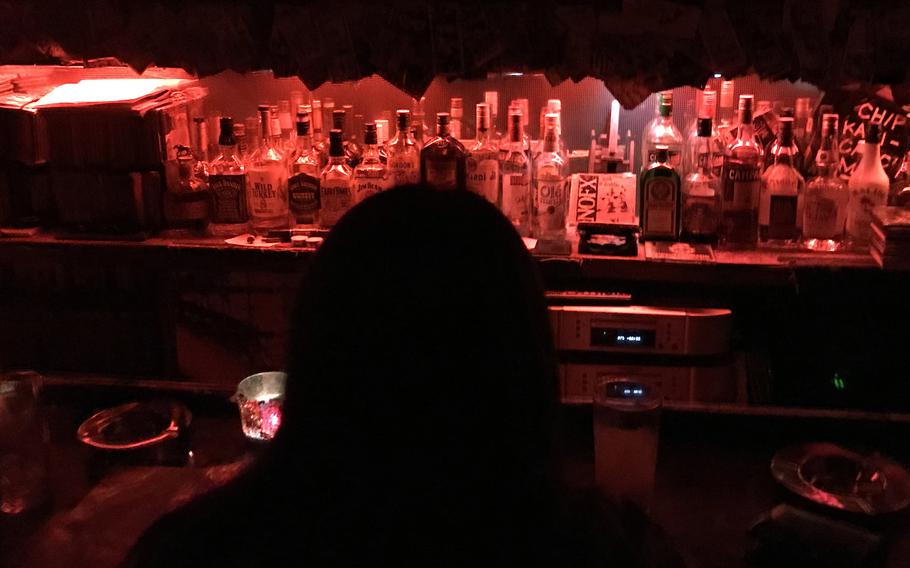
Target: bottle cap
x: 303, y: 124
x: 708, y: 103
x: 726, y: 94
x: 873, y: 134
x: 226, y: 134
x: 554, y: 105
x: 403, y: 119
x: 802, y: 106
x: 370, y: 135
x: 482, y: 113
x: 336, y: 143
x: 704, y: 127
x: 338, y: 119
x: 663, y: 153
x: 492, y: 99
x: 442, y: 118
x: 456, y: 106
x: 785, y: 131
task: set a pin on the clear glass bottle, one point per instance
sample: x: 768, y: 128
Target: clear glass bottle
x: 336, y: 186
x: 267, y: 178
x: 660, y: 193
x: 726, y: 115
x: 741, y: 184
x: 826, y: 194
x: 663, y: 132
x: 456, y: 112
x: 227, y: 183
x: 421, y: 131
x: 243, y: 148
x: 443, y: 160
x: 320, y: 141
x: 785, y: 114
x: 483, y: 159
x: 868, y: 188
x: 303, y: 184
x: 700, y: 196
x: 252, y: 128
x: 286, y: 125
x: 515, y: 171
x: 351, y: 149
x: 801, y: 124
x: 551, y: 199
x: 706, y: 109
x: 371, y: 175
x: 782, y: 189
x: 403, y: 152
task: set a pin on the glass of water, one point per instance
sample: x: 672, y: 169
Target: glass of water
x: 626, y: 429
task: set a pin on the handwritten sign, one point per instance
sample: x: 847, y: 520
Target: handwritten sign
x: 872, y: 109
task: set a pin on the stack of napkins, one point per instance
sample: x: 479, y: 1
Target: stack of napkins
x: 891, y: 237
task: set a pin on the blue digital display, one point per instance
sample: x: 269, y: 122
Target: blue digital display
x: 613, y: 337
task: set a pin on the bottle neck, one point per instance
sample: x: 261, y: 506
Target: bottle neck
x: 872, y: 154
x: 551, y: 142
x: 370, y: 152
x: 703, y: 153
x: 304, y: 143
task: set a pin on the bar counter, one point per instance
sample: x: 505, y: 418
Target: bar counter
x: 713, y: 478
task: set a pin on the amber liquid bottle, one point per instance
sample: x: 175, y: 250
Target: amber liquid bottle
x: 443, y: 160
x: 741, y: 184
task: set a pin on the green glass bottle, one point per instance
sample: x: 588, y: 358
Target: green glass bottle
x: 659, y: 198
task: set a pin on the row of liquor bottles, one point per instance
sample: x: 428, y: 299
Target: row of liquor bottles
x: 720, y: 184
x: 303, y: 177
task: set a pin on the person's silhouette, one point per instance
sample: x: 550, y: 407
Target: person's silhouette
x: 420, y: 418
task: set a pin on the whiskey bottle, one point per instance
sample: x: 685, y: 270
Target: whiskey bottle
x: 660, y: 198
x: 351, y: 150
x: 551, y: 199
x: 303, y: 183
x: 240, y: 137
x: 826, y: 194
x: 336, y: 190
x: 403, y: 152
x: 515, y: 170
x: 700, y: 198
x: 267, y: 178
x: 782, y: 189
x: 868, y: 187
x: 227, y: 184
x: 741, y: 184
x: 443, y: 160
x: 370, y: 175
x: 663, y: 132
x: 483, y: 160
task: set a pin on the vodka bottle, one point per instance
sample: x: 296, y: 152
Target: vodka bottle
x: 551, y: 200
x: 663, y: 132
x: 700, y: 197
x: 826, y: 194
x: 515, y: 169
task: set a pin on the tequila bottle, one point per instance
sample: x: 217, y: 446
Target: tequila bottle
x: 826, y: 194
x: 443, y: 160
x: 370, y: 175
x: 303, y: 184
x: 659, y: 189
x: 336, y: 191
x: 663, y: 132
x: 515, y: 171
x: 782, y: 189
x: 403, y: 152
x: 741, y: 183
x: 700, y: 197
x: 227, y: 183
x: 483, y: 160
x: 868, y: 188
x: 267, y: 178
x: 551, y: 200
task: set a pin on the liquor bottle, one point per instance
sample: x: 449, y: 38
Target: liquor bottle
x: 551, y: 200
x: 267, y: 178
x: 353, y: 128
x: 663, y: 132
x: 243, y: 148
x: 801, y: 125
x: 826, y: 194
x: 782, y: 189
x: 303, y: 183
x: 186, y: 203
x: 868, y: 188
x: 418, y: 123
x: 336, y: 191
x: 706, y: 109
x: 771, y: 150
x: 252, y: 128
x: 227, y: 184
x: 726, y: 114
x: 492, y: 99
x: 404, y: 154
x: 741, y: 183
x: 456, y: 112
x: 700, y: 196
x: 525, y: 106
x: 899, y: 192
x: 286, y: 124
x: 659, y: 191
x: 320, y: 143
x: 351, y: 151
x: 515, y: 171
x: 483, y: 159
x: 443, y: 160
x: 370, y: 175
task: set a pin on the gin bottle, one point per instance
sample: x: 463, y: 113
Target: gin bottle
x: 227, y: 183
x: 741, y: 184
x: 782, y: 188
x: 267, y: 178
x: 515, y: 169
x: 826, y: 194
x: 370, y: 175
x: 336, y: 192
x: 659, y: 189
x: 443, y: 160
x: 551, y: 199
x: 700, y: 198
x: 663, y: 132
x: 868, y: 188
x: 483, y: 160
x: 403, y: 152
x: 303, y: 185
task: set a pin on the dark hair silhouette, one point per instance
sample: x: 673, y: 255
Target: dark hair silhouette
x: 420, y: 415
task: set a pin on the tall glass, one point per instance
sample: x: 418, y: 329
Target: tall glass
x: 23, y: 459
x: 626, y: 428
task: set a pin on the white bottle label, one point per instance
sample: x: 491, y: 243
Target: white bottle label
x: 515, y: 197
x: 268, y: 186
x: 367, y: 186
x: 483, y: 178
x: 336, y: 197
x: 551, y: 203
x: 859, y: 210
x: 404, y: 168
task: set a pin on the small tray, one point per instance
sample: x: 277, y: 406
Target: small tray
x: 134, y: 425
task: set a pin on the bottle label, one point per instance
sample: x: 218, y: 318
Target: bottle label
x: 367, y: 186
x: 859, y: 210
x: 483, y: 178
x: 515, y: 194
x: 741, y: 187
x: 303, y: 193
x: 661, y: 203
x: 268, y: 192
x: 228, y: 199
x: 700, y: 216
x: 404, y: 168
x: 782, y: 217
x: 820, y: 218
x: 442, y: 174
x: 674, y: 157
x: 336, y: 197
x: 551, y: 204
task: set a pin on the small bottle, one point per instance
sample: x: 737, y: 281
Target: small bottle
x: 782, y: 189
x: 227, y: 183
x: 483, y: 160
x: 700, y: 197
x: 868, y: 188
x: 456, y: 112
x: 267, y: 178
x: 186, y: 203
x: 826, y: 194
x: 741, y: 183
x: 404, y: 154
x: 659, y: 189
x: 303, y: 184
x: 551, y: 199
x: 515, y: 170
x: 663, y: 132
x: 336, y: 192
x: 443, y: 160
x: 370, y: 175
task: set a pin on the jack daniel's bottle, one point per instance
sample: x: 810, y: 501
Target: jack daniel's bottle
x: 227, y: 183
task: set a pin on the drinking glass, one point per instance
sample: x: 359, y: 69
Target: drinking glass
x: 626, y: 428
x: 23, y: 465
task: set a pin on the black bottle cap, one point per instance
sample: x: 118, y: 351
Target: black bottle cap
x: 369, y: 133
x: 704, y: 128
x: 338, y: 119
x: 336, y: 143
x: 303, y: 124
x: 442, y: 118
x: 663, y: 154
x: 787, y: 112
x: 785, y: 133
x: 873, y: 134
x: 226, y: 131
x: 403, y: 117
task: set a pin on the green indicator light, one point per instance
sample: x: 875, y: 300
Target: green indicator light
x: 839, y: 383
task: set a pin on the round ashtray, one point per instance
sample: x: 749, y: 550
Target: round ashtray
x: 134, y: 425
x: 830, y: 475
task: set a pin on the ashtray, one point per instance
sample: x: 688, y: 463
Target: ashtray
x: 135, y: 425
x: 835, y: 477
